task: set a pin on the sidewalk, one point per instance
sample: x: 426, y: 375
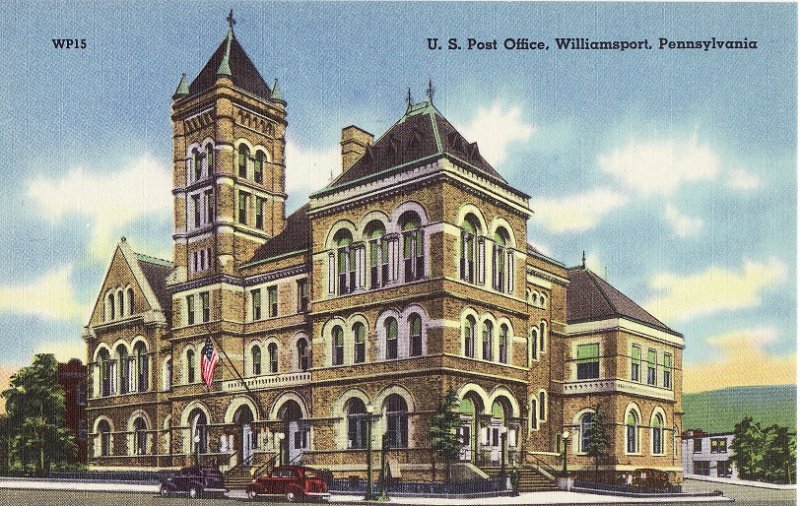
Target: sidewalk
x: 531, y: 498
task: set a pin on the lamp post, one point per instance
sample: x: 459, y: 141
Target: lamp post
x: 370, y: 409
x: 565, y: 436
x: 503, y: 439
x: 281, y: 436
x: 196, y: 440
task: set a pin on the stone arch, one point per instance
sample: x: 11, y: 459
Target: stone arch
x: 501, y: 391
x: 282, y: 399
x: 500, y: 222
x: 466, y: 209
x: 398, y: 211
x: 236, y: 403
x: 335, y: 228
x: 478, y: 391
x: 373, y: 215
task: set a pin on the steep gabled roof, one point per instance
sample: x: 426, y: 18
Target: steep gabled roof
x: 422, y: 133
x: 155, y: 271
x: 295, y: 236
x: 590, y: 297
x: 239, y: 67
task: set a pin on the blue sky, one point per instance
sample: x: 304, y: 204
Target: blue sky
x: 675, y: 170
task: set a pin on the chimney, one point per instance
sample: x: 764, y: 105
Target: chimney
x: 354, y: 144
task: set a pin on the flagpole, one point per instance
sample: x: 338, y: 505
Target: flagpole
x: 235, y: 370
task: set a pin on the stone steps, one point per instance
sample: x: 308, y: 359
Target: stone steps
x: 530, y: 480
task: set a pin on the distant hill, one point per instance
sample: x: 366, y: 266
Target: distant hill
x: 720, y: 410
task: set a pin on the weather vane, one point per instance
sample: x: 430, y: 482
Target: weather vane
x: 230, y: 19
x: 430, y: 91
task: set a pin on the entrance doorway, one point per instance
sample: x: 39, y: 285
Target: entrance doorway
x: 295, y: 432
x: 468, y: 409
x: 243, y: 418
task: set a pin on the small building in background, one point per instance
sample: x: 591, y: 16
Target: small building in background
x: 708, y: 454
x: 72, y: 378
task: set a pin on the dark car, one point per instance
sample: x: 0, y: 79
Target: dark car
x: 292, y: 482
x: 196, y: 482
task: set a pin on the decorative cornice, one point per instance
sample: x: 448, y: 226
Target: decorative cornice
x: 238, y: 281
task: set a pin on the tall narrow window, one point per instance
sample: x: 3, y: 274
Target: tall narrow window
x: 209, y: 159
x: 534, y: 415
x: 190, y: 366
x: 105, y: 373
x: 651, y: 366
x: 488, y: 331
x: 196, y: 164
x: 413, y: 247
x: 667, y: 370
x: 272, y: 351
x: 338, y: 345
x: 129, y: 297
x: 396, y: 421
x: 503, y: 350
x: 190, y: 309
x: 259, y: 213
x: 255, y: 360
x: 374, y: 235
x: 658, y: 435
x: 469, y: 232
x: 206, y: 304
x: 542, y: 406
x: 302, y: 295
x: 110, y: 307
x: 359, y: 343
x: 542, y: 336
x: 586, y: 427
x: 258, y: 169
x: 120, y: 303
x: 243, y: 198
x: 588, y: 361
x: 632, y: 432
x: 196, y: 210
x: 534, y: 343
x: 415, y: 327
x: 345, y: 261
x: 469, y: 337
x: 302, y: 354
x: 499, y: 259
x: 636, y: 361
x: 124, y: 369
x: 104, y: 429
x: 209, y: 203
x: 244, y: 155
x: 390, y: 332
x: 273, y: 301
x: 142, y: 367
x: 357, y: 420
x: 256, y: 297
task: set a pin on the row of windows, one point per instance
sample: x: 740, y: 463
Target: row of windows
x: 538, y: 409
x: 588, y: 364
x: 198, y: 308
x: 472, y: 264
x: 718, y: 445
x: 118, y: 303
x: 389, y: 337
x: 248, y: 165
x: 536, y: 298
x: 260, y: 310
x: 249, y: 210
x: 201, y: 162
x: 201, y: 209
x: 487, y: 331
x: 201, y: 260
x: 123, y: 373
x: 632, y: 432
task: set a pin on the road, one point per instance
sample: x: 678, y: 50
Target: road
x: 745, y: 495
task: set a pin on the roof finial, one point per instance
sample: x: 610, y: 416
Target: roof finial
x: 230, y: 19
x: 225, y: 65
x: 430, y: 91
x: 583, y: 262
x: 409, y: 100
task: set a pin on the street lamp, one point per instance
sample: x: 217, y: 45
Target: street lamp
x: 281, y: 436
x: 565, y: 436
x: 370, y: 409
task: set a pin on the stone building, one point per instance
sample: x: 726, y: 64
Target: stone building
x: 407, y: 276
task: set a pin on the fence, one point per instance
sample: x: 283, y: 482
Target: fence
x: 355, y: 485
x: 129, y: 476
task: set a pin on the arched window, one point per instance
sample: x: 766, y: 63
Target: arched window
x: 196, y: 164
x: 139, y: 436
x: 258, y: 170
x: 106, y: 373
x: 104, y: 429
x: 502, y: 262
x: 542, y: 336
x: 190, y: 366
x: 378, y: 254
x: 413, y: 246
x: 199, y: 431
x: 302, y: 354
x: 124, y: 369
x: 255, y: 360
x: 345, y: 262
x: 111, y: 307
x: 272, y: 351
x: 168, y: 374
x: 357, y: 420
x: 586, y: 434
x: 359, y: 343
x: 244, y: 155
x: 396, y: 421
x: 534, y: 415
x: 534, y: 343
x: 469, y: 337
x: 542, y: 406
x: 503, y: 350
x: 488, y: 334
x: 658, y: 434
x: 471, y: 251
x: 632, y: 432
x: 209, y: 158
x: 390, y: 333
x: 415, y: 334
x: 129, y: 296
x: 142, y: 367
x: 338, y: 345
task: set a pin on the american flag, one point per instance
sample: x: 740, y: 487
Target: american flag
x: 208, y: 362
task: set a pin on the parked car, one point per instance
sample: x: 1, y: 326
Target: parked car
x: 291, y: 482
x: 196, y: 482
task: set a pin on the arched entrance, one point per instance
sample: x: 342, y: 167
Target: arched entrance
x: 498, y: 429
x: 468, y: 409
x: 295, y: 434
x: 243, y: 418
x: 198, y: 432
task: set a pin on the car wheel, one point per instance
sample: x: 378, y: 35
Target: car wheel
x: 252, y: 494
x: 290, y: 496
x: 164, y: 491
x: 194, y: 492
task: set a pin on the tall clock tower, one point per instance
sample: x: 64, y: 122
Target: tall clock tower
x: 229, y: 177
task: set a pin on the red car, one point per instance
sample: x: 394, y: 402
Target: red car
x: 292, y: 482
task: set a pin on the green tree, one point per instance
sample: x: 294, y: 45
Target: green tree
x: 35, y: 412
x: 6, y: 439
x: 748, y: 444
x: 443, y: 430
x: 597, y: 445
x: 780, y: 455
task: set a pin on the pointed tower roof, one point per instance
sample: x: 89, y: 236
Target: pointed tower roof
x: 277, y: 96
x: 230, y: 59
x: 420, y: 135
x: 183, y: 88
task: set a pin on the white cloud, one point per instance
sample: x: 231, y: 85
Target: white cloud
x: 660, y: 166
x: 681, y: 298
x: 495, y: 128
x: 109, y: 201
x: 743, y: 180
x: 63, y: 350
x: 756, y: 338
x: 308, y: 170
x: 578, y: 212
x: 682, y: 225
x: 49, y: 296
